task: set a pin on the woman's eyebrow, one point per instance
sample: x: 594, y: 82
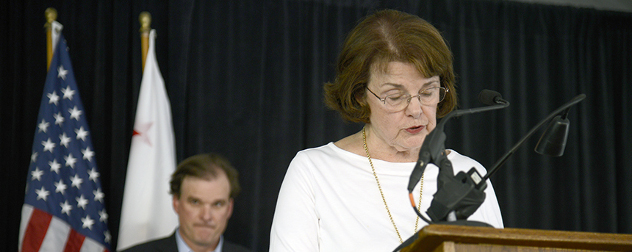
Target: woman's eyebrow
x: 430, y: 83
x: 400, y: 86
x: 393, y: 85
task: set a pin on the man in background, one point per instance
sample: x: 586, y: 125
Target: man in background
x: 203, y: 187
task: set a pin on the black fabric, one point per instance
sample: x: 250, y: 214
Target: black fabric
x: 245, y: 79
x: 165, y: 244
x: 169, y: 244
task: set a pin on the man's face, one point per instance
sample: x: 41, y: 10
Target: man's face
x: 203, y: 209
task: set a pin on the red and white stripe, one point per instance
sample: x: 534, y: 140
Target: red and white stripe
x: 44, y: 232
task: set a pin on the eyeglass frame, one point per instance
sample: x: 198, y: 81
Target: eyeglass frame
x: 410, y: 98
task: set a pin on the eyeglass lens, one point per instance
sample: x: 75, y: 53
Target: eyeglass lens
x: 429, y: 96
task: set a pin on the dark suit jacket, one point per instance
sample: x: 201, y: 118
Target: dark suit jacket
x: 169, y: 244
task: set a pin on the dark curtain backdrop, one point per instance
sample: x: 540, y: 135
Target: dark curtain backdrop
x: 245, y: 80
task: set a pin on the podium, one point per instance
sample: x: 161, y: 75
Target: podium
x: 436, y: 238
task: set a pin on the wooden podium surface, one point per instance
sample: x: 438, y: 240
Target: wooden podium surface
x: 437, y: 238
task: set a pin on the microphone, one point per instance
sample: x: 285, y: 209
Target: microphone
x: 554, y: 138
x: 490, y: 97
x: 433, y: 151
x: 461, y: 186
x: 465, y: 193
x: 434, y: 142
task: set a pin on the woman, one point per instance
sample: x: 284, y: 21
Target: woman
x: 395, y: 75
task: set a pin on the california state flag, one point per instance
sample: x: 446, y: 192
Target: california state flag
x: 147, y: 212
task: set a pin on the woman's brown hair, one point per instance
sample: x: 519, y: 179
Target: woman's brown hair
x: 383, y: 37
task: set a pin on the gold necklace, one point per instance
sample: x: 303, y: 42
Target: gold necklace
x: 421, y: 187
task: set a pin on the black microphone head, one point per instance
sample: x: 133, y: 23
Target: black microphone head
x: 553, y: 140
x: 489, y: 97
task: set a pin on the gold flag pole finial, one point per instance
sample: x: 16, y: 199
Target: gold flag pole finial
x: 51, y: 16
x: 145, y: 22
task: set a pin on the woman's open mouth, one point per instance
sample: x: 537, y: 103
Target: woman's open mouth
x: 415, y: 130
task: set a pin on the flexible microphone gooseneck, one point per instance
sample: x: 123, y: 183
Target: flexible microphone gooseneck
x: 564, y: 107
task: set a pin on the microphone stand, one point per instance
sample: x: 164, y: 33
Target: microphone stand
x: 465, y: 193
x: 433, y: 151
x: 561, y: 109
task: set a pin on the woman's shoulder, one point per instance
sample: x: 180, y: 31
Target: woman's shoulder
x: 346, y: 146
x: 329, y: 150
x: 461, y: 162
x: 319, y: 150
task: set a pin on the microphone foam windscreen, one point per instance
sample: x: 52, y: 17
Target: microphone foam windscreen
x: 488, y: 97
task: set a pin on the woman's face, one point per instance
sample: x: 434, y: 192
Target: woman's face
x: 405, y: 129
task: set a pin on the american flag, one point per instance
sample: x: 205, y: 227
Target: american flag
x: 63, y: 204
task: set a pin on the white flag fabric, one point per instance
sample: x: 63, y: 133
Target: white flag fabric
x: 147, y: 211
x: 56, y: 28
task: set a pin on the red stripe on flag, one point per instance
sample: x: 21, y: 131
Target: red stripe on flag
x: 36, y: 230
x: 75, y: 240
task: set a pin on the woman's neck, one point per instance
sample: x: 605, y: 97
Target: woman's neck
x: 380, y: 149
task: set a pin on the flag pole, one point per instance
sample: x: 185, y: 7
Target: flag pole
x: 51, y: 16
x: 145, y: 22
